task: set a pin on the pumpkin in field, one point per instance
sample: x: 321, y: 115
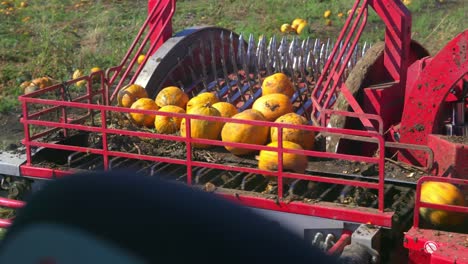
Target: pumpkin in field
x: 142, y: 119
x: 42, y: 82
x: 277, y: 83
x: 202, y: 128
x: 172, y: 95
x: 202, y: 99
x: 268, y: 160
x: 446, y: 194
x: 97, y: 77
x: 273, y: 106
x: 226, y: 109
x: 168, y: 124
x: 305, y: 138
x: 129, y: 94
x: 243, y: 133
x: 31, y: 88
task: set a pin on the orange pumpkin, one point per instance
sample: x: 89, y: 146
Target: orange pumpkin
x: 226, y: 109
x: 129, y: 94
x: 31, y: 88
x: 42, y: 82
x: 168, y: 124
x: 172, y: 95
x: 305, y: 138
x: 243, y: 133
x: 446, y: 194
x: 273, y: 106
x: 202, y: 99
x: 202, y: 128
x: 142, y: 119
x: 277, y: 83
x: 268, y: 160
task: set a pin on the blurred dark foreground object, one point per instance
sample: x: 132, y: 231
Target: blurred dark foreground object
x: 120, y: 217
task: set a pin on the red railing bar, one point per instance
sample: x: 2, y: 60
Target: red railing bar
x: 208, y: 118
x: 357, y: 115
x: 335, y: 48
x: 350, y: 52
x: 158, y: 36
x: 153, y: 46
x: 5, y: 202
x: 5, y: 223
x: 418, y: 204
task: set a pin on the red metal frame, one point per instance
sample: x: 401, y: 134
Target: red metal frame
x: 433, y: 246
x: 328, y: 210
x: 9, y: 203
x: 424, y: 101
x: 397, y: 19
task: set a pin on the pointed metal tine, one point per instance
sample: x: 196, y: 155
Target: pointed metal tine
x: 241, y: 50
x: 192, y: 72
x: 364, y: 47
x: 224, y: 66
x: 261, y: 53
x: 283, y: 52
x: 213, y: 62
x: 251, y: 52
x: 234, y: 65
x: 184, y: 73
x: 355, y: 54
x: 202, y: 57
x: 271, y: 55
x: 316, y: 46
x: 243, y: 61
x: 241, y: 54
x: 322, y: 57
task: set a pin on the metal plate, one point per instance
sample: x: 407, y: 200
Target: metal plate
x: 182, y: 59
x: 10, y: 163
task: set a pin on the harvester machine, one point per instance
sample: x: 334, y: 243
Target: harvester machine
x: 388, y: 122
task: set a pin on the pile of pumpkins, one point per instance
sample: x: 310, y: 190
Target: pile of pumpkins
x: 36, y: 84
x: 274, y: 105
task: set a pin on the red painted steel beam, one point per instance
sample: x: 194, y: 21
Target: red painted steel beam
x: 322, y: 209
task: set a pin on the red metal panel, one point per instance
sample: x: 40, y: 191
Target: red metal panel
x: 421, y: 114
x: 451, y: 159
x: 432, y: 246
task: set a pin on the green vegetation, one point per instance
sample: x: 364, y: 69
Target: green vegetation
x: 55, y: 37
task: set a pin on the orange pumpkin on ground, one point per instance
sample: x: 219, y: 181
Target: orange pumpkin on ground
x: 202, y: 128
x: 172, y: 95
x: 129, y: 94
x: 202, y: 99
x: 273, y: 106
x: 42, y: 82
x: 168, y: 124
x: 305, y: 138
x: 142, y: 119
x: 243, y: 133
x: 31, y: 88
x: 277, y: 83
x: 446, y: 194
x: 268, y: 160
